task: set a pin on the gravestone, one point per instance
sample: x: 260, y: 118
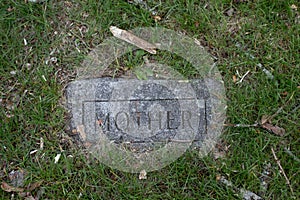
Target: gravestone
x: 135, y: 125
x: 141, y: 113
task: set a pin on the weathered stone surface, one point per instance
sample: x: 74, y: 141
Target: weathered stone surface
x: 142, y: 114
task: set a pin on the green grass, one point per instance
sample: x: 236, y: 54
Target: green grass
x: 31, y: 99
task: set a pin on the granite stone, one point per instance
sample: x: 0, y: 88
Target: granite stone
x: 145, y: 114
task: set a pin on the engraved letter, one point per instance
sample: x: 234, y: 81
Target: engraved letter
x: 169, y: 119
x: 126, y: 120
x: 152, y: 120
x: 186, y: 116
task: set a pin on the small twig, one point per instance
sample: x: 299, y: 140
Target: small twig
x: 243, y: 125
x: 246, y: 194
x: 267, y: 72
x: 297, y: 107
x: 241, y: 80
x: 269, y: 118
x: 281, y: 169
x: 291, y: 154
x: 133, y: 39
x: 281, y: 108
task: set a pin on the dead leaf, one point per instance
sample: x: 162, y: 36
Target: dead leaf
x: 230, y: 12
x: 33, y: 186
x: 17, y: 177
x: 285, y: 93
x: 9, y: 9
x: 8, y: 188
x: 156, y: 18
x: 218, y: 177
x: 143, y: 175
x: 220, y: 150
x: 27, y: 196
x: 274, y: 129
x: 30, y: 198
x: 218, y: 154
x: 56, y: 159
x: 239, y: 1
x: 234, y: 78
x: 294, y: 7
x: 68, y: 4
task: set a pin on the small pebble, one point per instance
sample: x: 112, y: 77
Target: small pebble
x: 13, y: 72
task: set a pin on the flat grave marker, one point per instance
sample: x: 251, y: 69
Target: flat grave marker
x: 136, y: 125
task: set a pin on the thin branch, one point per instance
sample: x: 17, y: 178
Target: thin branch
x: 291, y: 154
x: 133, y: 39
x: 267, y: 119
x: 242, y: 125
x: 284, y: 174
x: 281, y: 108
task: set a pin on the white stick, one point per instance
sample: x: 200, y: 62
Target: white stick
x: 132, y: 39
x: 281, y: 169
